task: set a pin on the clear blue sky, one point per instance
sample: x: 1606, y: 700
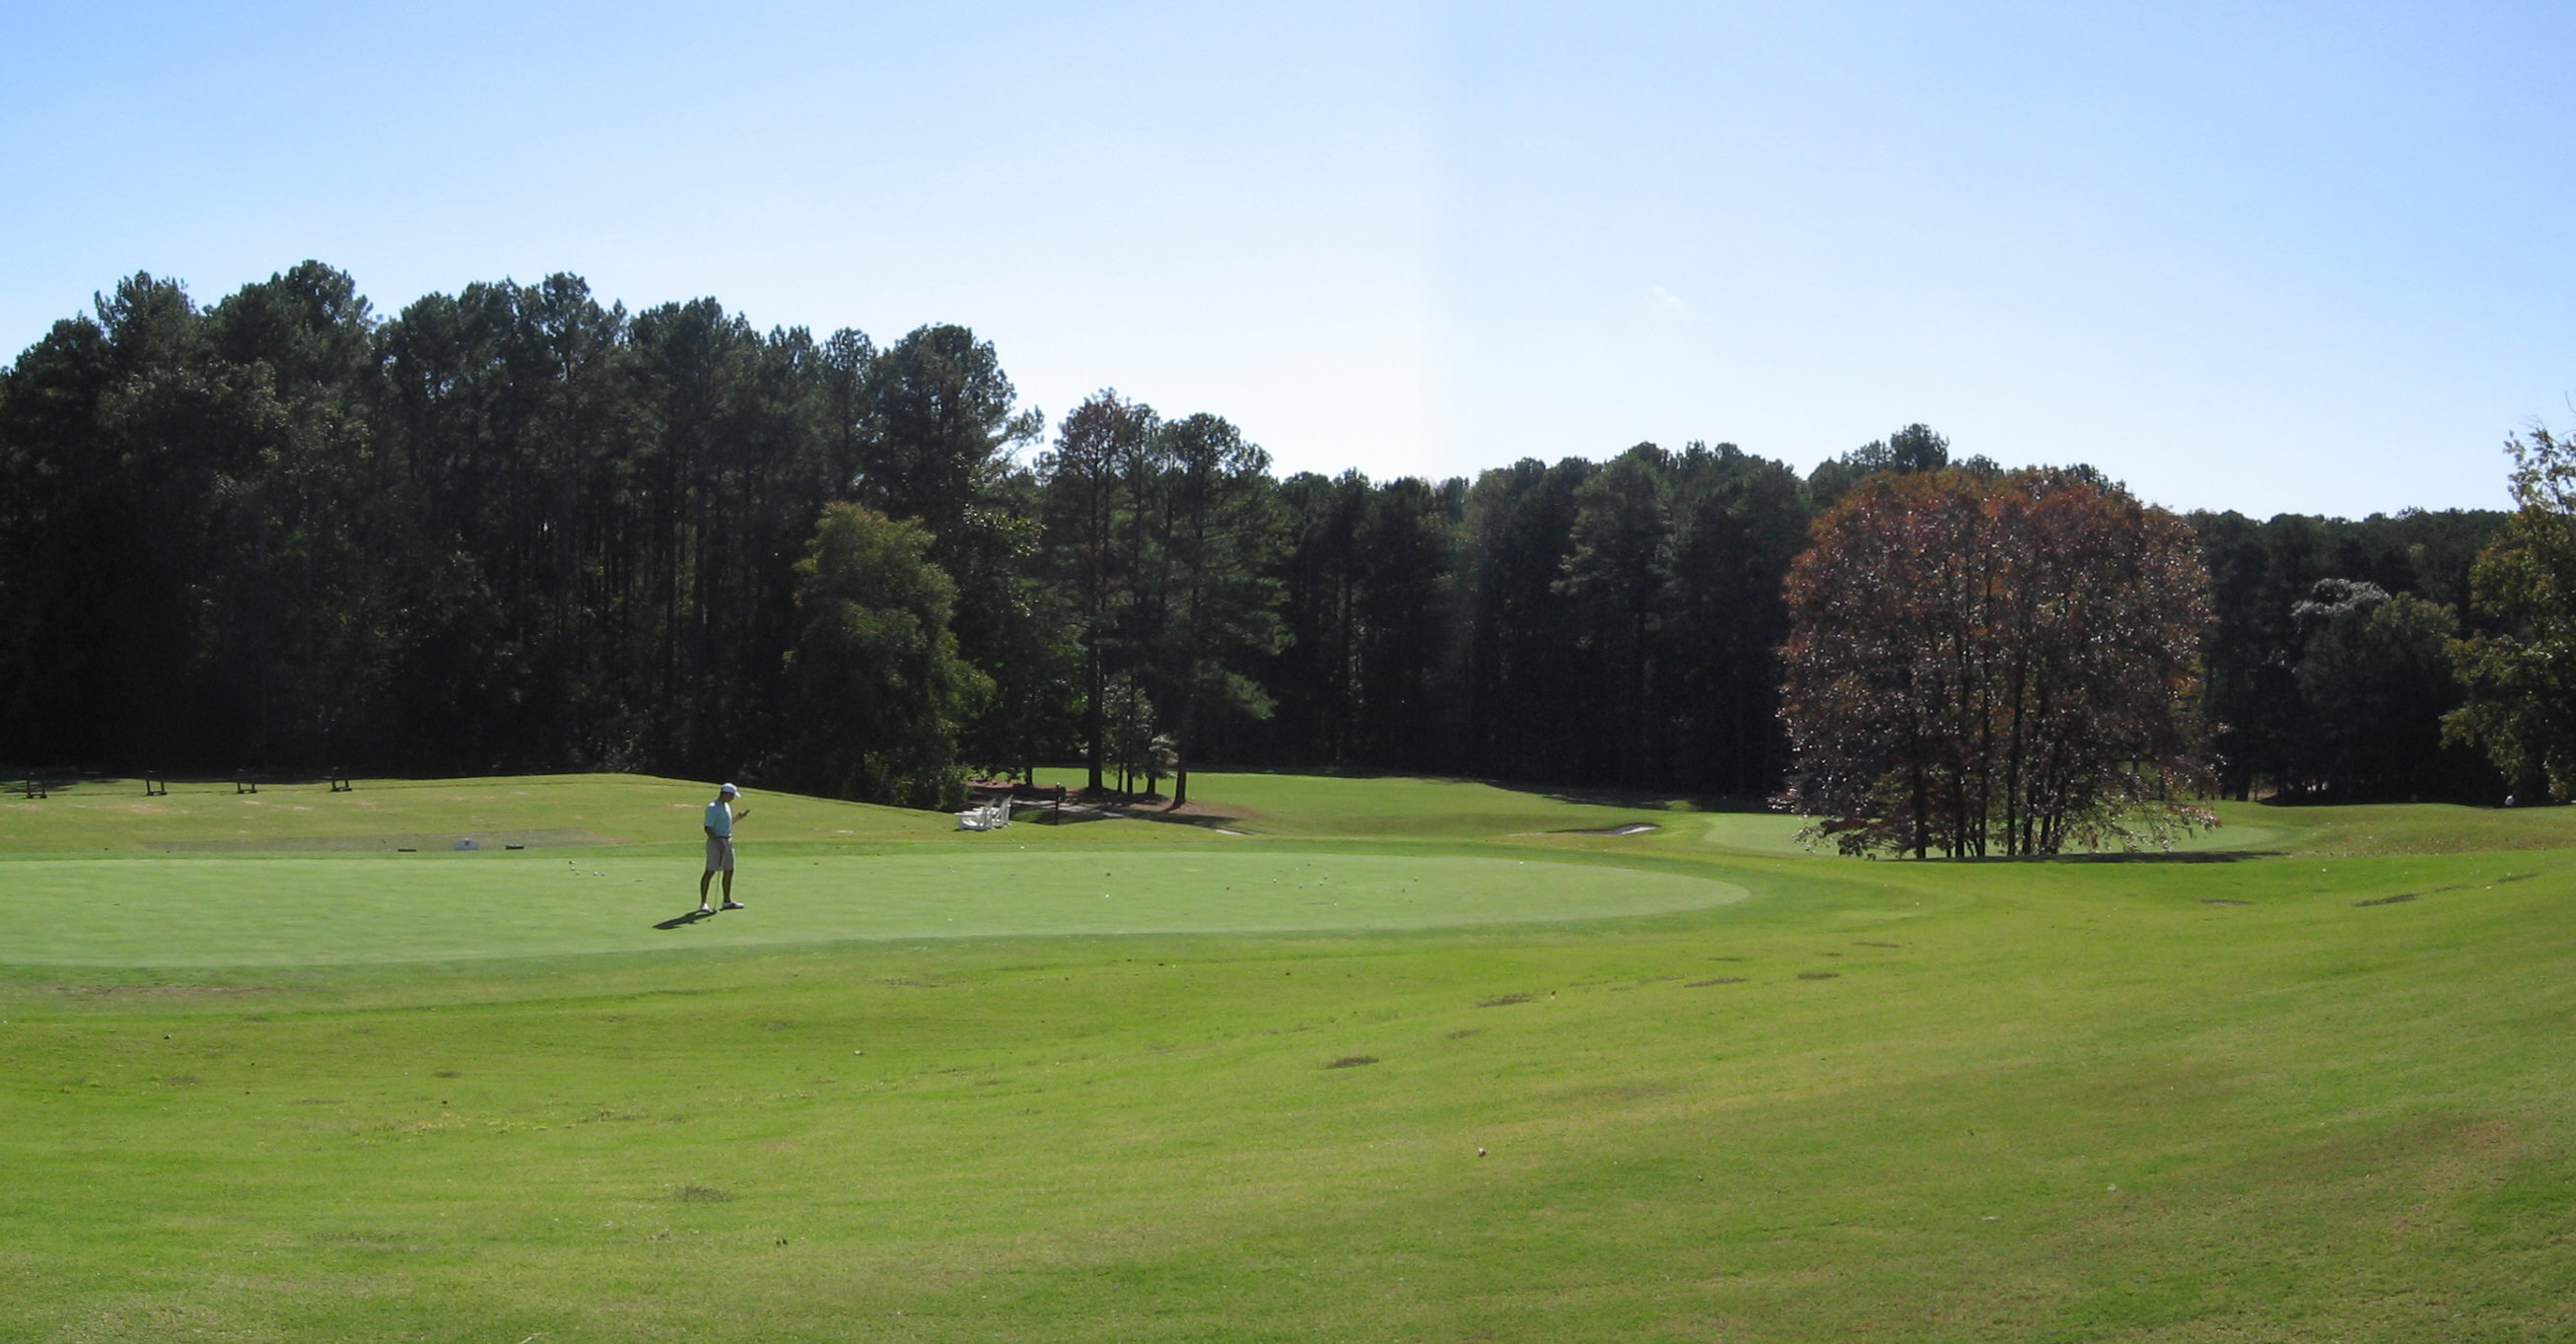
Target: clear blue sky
x: 2280, y: 257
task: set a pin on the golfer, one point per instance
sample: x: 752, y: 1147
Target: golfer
x: 719, y: 828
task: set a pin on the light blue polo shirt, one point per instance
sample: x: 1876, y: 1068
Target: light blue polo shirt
x: 720, y: 819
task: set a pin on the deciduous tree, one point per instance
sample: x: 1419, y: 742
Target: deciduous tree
x: 2521, y: 680
x: 878, y: 690
x: 1983, y: 664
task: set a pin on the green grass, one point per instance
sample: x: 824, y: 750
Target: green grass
x: 233, y: 911
x: 1363, y: 807
x: 1725, y: 1093
x: 2411, y: 828
x: 542, y: 810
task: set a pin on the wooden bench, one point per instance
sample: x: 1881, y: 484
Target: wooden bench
x: 42, y: 783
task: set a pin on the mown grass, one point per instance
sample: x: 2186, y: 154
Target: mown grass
x: 2214, y: 1100
x: 95, y: 815
x: 238, y: 911
x: 1366, y: 806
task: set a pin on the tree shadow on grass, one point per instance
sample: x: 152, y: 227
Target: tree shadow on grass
x: 1138, y: 807
x: 1644, y: 800
x: 1663, y: 801
x: 1206, y: 821
x: 1637, y: 800
x: 2177, y: 856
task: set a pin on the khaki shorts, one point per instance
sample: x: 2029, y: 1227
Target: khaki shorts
x: 719, y: 855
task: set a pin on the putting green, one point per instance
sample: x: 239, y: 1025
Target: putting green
x: 205, y: 911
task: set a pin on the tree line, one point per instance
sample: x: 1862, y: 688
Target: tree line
x: 519, y: 528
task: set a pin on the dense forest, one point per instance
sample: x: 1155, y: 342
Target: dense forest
x: 519, y: 529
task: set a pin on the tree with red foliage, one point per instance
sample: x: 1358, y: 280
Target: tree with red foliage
x: 1988, y: 663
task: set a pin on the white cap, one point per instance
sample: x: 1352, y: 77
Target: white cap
x: 728, y: 791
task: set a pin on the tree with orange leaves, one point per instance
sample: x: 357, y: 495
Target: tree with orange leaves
x: 1986, y: 663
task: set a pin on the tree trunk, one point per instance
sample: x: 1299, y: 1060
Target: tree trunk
x: 1181, y: 748
x: 1631, y: 757
x: 1922, y: 799
x: 1095, y: 720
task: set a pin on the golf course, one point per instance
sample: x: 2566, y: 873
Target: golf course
x: 1327, y: 1058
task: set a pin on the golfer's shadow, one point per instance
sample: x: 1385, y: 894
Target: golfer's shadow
x: 684, y: 921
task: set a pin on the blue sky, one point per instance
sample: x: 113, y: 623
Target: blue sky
x: 2271, y: 258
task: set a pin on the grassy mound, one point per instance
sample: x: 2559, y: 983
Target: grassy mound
x: 1439, y: 1074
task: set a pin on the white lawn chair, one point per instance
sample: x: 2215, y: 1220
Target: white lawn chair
x: 985, y: 817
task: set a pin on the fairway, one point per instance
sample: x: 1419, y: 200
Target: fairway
x: 1407, y: 1059
x: 229, y: 911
